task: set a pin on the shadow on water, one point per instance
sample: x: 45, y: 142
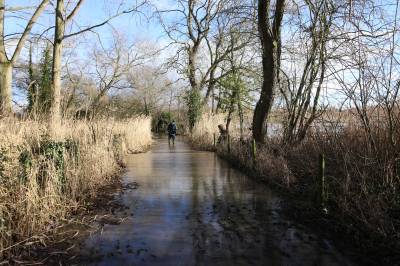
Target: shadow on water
x: 192, y: 208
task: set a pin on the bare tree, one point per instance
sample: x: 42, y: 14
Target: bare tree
x: 302, y: 96
x: 204, y: 41
x: 366, y: 68
x: 188, y: 37
x: 6, y: 63
x: 62, y: 19
x: 112, y: 68
x: 230, y: 33
x: 150, y: 85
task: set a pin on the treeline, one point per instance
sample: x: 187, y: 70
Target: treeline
x: 54, y: 89
x: 119, y: 82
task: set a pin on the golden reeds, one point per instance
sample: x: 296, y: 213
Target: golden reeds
x: 43, y: 178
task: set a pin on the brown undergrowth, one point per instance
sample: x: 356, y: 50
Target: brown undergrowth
x: 363, y: 184
x: 44, y: 179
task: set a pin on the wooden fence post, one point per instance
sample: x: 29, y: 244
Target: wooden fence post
x: 254, y: 152
x: 254, y: 149
x: 229, y: 143
x: 214, y: 139
x: 322, y: 183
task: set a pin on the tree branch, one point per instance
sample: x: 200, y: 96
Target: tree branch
x: 27, y: 30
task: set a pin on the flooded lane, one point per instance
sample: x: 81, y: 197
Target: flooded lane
x: 192, y: 208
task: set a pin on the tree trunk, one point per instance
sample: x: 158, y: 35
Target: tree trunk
x: 270, y: 37
x: 210, y: 92
x: 146, y: 109
x: 219, y: 102
x: 6, y: 64
x: 231, y: 109
x: 192, y: 68
x: 5, y: 70
x: 210, y: 89
x: 213, y: 100
x: 264, y: 105
x: 194, y: 103
x: 32, y: 87
x: 5, y: 89
x: 241, y: 116
x: 55, y: 115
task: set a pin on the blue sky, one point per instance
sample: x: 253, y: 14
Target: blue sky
x: 134, y: 26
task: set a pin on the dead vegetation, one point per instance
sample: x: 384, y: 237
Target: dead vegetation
x: 44, y: 179
x: 363, y: 183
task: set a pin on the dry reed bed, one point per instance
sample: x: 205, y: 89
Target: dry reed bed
x: 205, y: 130
x: 207, y: 127
x: 44, y: 178
x: 363, y: 183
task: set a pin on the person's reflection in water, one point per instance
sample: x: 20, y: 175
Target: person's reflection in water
x: 171, y: 147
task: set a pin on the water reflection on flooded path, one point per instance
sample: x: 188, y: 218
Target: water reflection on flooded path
x: 192, y: 208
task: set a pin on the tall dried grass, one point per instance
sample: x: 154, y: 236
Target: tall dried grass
x: 207, y: 127
x: 44, y: 178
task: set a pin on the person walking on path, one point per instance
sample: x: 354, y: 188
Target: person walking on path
x: 171, y: 132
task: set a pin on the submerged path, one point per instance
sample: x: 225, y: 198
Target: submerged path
x: 192, y: 208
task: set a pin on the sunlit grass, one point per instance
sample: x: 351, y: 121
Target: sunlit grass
x: 44, y: 178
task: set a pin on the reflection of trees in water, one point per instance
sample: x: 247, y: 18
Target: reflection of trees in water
x: 233, y: 219
x: 228, y: 218
x: 236, y: 220
x: 195, y: 208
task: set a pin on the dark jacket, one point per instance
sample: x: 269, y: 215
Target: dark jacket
x: 172, y: 129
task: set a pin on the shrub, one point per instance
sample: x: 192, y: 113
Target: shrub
x: 363, y: 184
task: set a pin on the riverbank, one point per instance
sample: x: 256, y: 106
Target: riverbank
x: 51, y: 184
x: 294, y: 173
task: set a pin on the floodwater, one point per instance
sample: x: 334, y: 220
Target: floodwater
x: 192, y: 208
